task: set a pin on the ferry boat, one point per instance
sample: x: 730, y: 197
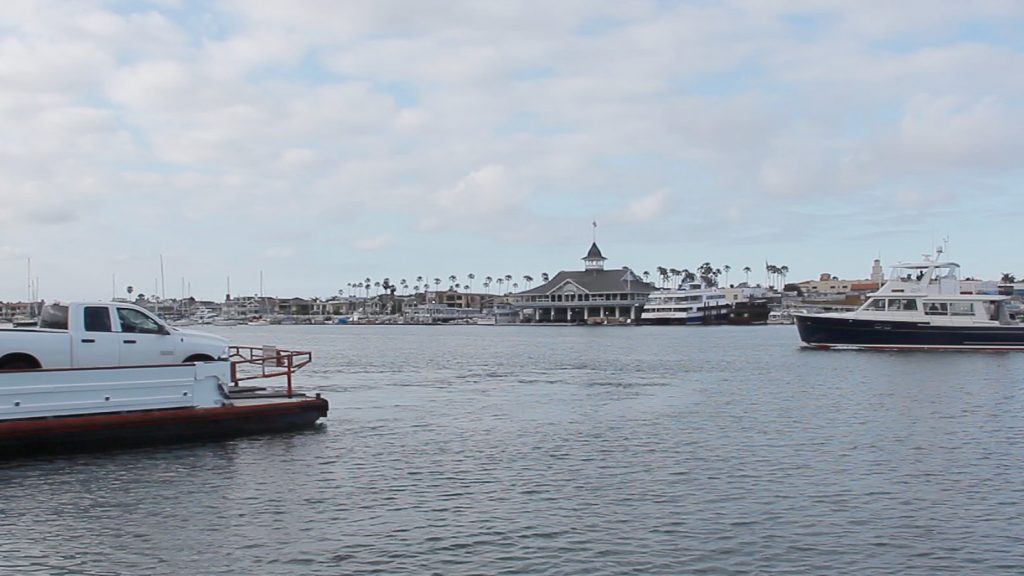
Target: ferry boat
x: 919, y: 307
x: 689, y: 304
x: 77, y: 409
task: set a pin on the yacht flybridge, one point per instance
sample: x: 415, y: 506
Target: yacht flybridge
x: 919, y: 307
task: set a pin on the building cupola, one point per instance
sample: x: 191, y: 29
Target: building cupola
x: 594, y: 260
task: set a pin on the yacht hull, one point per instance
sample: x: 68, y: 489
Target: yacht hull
x: 833, y: 332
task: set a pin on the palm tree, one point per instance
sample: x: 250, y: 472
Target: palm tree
x: 663, y: 274
x: 437, y: 283
x: 515, y: 286
x: 377, y: 286
x: 726, y: 269
x: 508, y: 279
x: 529, y: 280
x: 419, y: 280
x: 544, y: 277
x: 783, y: 270
x: 647, y: 276
x: 471, y: 277
x: 1008, y: 278
x: 688, y: 276
x: 487, y: 285
x: 746, y: 273
x: 405, y: 285
x: 500, y: 282
x: 451, y: 281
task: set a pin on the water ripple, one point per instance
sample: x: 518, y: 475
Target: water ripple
x: 482, y: 450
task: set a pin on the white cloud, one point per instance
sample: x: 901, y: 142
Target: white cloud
x: 275, y: 121
x: 374, y: 243
x: 477, y: 200
x: 649, y: 208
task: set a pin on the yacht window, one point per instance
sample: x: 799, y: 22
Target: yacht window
x: 909, y: 304
x: 961, y: 308
x: 936, y: 309
x: 895, y: 305
x: 97, y: 319
x: 875, y: 304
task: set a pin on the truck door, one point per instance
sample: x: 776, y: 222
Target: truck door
x: 143, y: 340
x: 93, y: 340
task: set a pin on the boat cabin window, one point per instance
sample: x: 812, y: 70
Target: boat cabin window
x: 54, y: 316
x: 902, y: 304
x: 936, y: 309
x: 137, y: 322
x: 961, y: 308
x: 97, y: 319
x: 875, y: 304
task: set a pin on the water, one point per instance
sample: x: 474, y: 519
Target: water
x: 543, y: 450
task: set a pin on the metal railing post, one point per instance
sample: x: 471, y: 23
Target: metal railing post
x: 289, y: 375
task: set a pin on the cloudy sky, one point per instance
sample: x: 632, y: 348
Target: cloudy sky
x: 323, y: 142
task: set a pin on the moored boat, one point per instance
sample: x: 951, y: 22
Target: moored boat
x: 689, y: 304
x: 60, y: 410
x: 749, y: 312
x: 920, y: 307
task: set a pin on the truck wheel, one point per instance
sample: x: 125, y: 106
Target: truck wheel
x: 19, y: 363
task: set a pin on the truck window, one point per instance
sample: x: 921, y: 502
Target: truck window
x: 97, y: 319
x: 137, y: 322
x: 54, y: 316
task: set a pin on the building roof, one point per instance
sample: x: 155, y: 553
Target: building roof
x: 594, y: 253
x: 593, y: 282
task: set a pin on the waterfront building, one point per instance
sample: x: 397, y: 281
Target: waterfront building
x: 589, y: 295
x: 744, y: 293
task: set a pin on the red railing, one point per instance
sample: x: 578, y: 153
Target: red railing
x: 254, y: 362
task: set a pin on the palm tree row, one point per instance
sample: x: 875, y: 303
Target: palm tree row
x: 706, y: 273
x: 424, y: 284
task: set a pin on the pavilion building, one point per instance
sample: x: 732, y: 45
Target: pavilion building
x: 590, y: 295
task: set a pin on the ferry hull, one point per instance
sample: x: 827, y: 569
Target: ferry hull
x: 832, y: 332
x: 156, y: 427
x: 710, y: 316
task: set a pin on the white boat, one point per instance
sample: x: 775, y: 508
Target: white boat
x: 258, y: 322
x: 203, y: 316
x: 780, y: 317
x: 689, y: 304
x: 920, y: 307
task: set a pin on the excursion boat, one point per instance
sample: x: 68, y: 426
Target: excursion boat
x: 61, y: 410
x: 689, y: 304
x: 919, y: 307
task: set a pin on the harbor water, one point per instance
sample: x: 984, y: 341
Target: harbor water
x: 557, y: 450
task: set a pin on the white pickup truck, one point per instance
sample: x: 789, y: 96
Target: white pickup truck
x: 91, y: 334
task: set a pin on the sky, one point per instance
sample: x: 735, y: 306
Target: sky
x: 322, y: 142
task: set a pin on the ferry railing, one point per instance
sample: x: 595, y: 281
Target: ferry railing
x: 256, y: 362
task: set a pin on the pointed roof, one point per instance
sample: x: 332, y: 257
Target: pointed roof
x: 594, y: 253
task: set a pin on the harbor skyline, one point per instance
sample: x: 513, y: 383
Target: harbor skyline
x: 322, y: 143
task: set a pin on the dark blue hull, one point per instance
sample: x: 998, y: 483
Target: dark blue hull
x: 830, y: 332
